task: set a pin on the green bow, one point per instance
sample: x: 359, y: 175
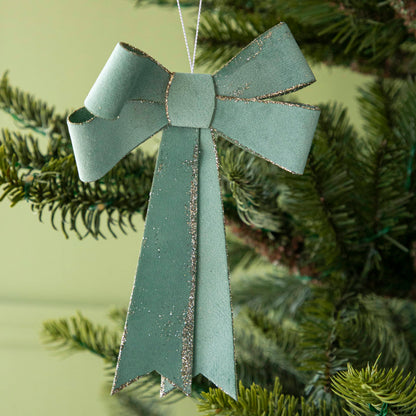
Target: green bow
x: 179, y: 321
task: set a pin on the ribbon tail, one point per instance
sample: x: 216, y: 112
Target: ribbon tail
x: 214, y: 339
x: 214, y: 355
x: 160, y: 321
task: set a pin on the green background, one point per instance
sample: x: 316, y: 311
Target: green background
x: 55, y: 50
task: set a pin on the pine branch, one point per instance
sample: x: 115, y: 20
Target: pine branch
x: 222, y: 35
x: 405, y: 130
x: 320, y: 354
x: 256, y: 401
x: 36, y: 115
x: 78, y: 333
x: 240, y: 255
x: 254, y: 186
x: 266, y: 349
x: 371, y: 326
x: 251, y: 188
x: 368, y: 36
x: 364, y: 35
x: 372, y: 386
x: 46, y: 182
x: 321, y: 201
x: 118, y: 316
x: 277, y: 293
x: 384, y: 200
x: 277, y: 248
x: 403, y: 315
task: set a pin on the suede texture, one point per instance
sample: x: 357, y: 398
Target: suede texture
x: 191, y: 100
x: 179, y: 322
x: 159, y: 303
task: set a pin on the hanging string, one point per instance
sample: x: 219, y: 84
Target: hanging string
x: 191, y: 62
x: 196, y: 35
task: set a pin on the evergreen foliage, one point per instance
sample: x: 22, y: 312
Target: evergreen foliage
x: 78, y: 333
x: 339, y: 240
x: 371, y: 36
x: 259, y: 401
x: 381, y: 389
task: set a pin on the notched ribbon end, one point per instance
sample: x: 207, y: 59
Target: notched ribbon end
x: 80, y: 116
x: 118, y: 387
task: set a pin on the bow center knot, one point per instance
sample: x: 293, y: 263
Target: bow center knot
x: 190, y: 100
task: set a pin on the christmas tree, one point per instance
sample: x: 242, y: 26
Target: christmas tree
x: 329, y: 328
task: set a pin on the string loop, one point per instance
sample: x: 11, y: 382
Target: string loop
x: 191, y: 61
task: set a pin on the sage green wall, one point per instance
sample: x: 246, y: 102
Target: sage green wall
x: 55, y: 50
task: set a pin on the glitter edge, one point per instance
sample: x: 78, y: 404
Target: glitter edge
x: 138, y: 52
x: 189, y: 326
x: 257, y: 100
x: 163, y: 393
x: 167, y: 97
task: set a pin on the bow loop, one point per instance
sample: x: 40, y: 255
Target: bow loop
x: 99, y: 144
x: 279, y: 132
x: 271, y: 65
x: 129, y: 74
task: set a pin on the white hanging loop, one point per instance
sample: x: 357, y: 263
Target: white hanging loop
x: 191, y: 62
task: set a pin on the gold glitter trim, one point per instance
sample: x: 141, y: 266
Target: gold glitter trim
x: 287, y: 90
x: 163, y: 381
x: 162, y: 386
x: 116, y: 390
x: 188, y: 329
x: 255, y: 100
x: 141, y: 100
x: 139, y: 52
x: 167, y: 96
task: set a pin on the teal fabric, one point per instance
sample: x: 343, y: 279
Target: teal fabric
x: 185, y: 96
x: 214, y: 341
x: 96, y: 142
x: 270, y: 65
x: 179, y: 321
x: 280, y: 132
x: 159, y: 303
x: 129, y: 74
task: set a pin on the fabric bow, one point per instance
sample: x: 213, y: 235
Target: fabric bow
x: 179, y: 321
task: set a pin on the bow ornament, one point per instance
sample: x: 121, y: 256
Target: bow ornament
x: 179, y: 321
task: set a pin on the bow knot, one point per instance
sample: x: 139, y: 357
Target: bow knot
x: 190, y: 100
